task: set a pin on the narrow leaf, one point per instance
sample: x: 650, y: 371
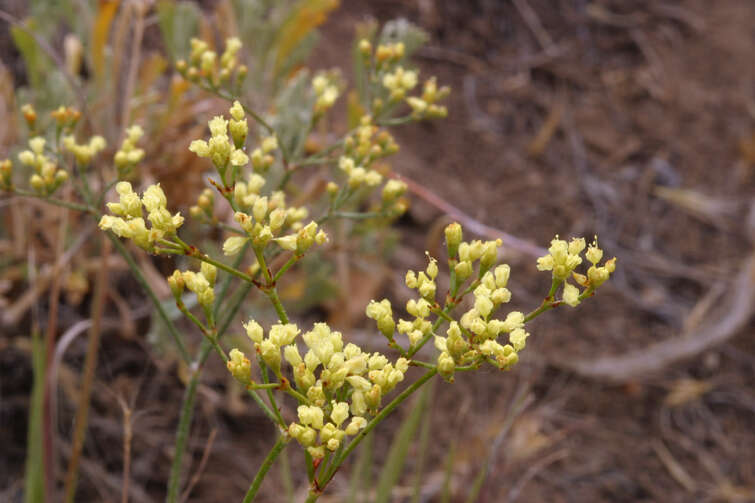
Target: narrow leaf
x: 394, y: 464
x: 100, y: 31
x: 34, y: 490
x: 304, y: 17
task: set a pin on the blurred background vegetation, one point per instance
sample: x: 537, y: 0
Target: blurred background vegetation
x: 633, y: 120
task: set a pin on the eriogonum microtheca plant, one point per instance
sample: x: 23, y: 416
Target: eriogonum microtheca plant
x: 341, y: 391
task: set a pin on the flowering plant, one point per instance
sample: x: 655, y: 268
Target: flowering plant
x: 341, y: 390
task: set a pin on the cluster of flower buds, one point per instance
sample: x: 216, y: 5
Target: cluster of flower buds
x: 339, y: 381
x: 474, y: 336
x: 84, y: 152
x: 129, y: 155
x: 202, y: 283
x: 399, y: 82
x: 30, y: 116
x: 247, y: 194
x: 203, y: 210
x: 65, y: 117
x: 203, y: 63
x: 267, y: 218
x: 262, y: 156
x: 425, y: 106
x: 47, y: 178
x: 128, y: 222
x: 220, y: 149
x: 563, y: 258
x: 361, y: 149
x: 387, y: 54
x: 303, y: 239
x: 327, y: 87
x: 238, y: 125
x: 6, y: 174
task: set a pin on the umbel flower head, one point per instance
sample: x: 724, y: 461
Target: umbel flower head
x: 342, y: 383
x: 47, y: 178
x: 128, y: 222
x: 129, y: 155
x: 84, y: 152
x: 220, y: 149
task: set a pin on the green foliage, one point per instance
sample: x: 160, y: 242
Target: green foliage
x: 178, y: 23
x: 34, y: 485
x: 393, y: 467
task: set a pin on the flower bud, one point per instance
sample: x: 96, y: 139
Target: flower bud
x: 176, y: 284
x: 372, y: 398
x: 571, y: 295
x: 446, y: 366
x: 254, y: 331
x: 233, y: 245
x: 239, y: 366
x: 271, y: 355
x: 453, y: 238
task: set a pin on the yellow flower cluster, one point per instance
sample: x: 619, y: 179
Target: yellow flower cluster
x: 426, y: 105
x: 203, y: 62
x: 201, y: 283
x: 563, y: 258
x: 205, y: 205
x: 84, y: 152
x: 128, y: 222
x: 6, y: 174
x: 399, y: 82
x: 339, y: 381
x: 219, y: 148
x: 238, y: 125
x: 47, y: 177
x: 326, y: 86
x: 366, y: 145
x: 268, y: 217
x: 65, y: 117
x: 129, y: 154
x: 386, y: 53
x: 262, y: 157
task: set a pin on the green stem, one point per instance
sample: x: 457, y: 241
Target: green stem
x: 273, y: 296
x: 418, y: 363
x: 224, y: 267
x: 293, y: 260
x: 136, y: 271
x: 219, y: 93
x: 57, y: 202
x: 270, y: 396
x: 182, y: 435
x: 277, y: 448
x: 547, y: 304
x: 395, y: 121
x: 370, y: 426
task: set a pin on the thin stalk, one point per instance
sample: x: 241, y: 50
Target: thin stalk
x: 285, y: 267
x: 137, y: 273
x: 222, y: 266
x: 314, y: 494
x: 258, y: 118
x: 57, y: 202
x: 182, y: 435
x: 270, y: 396
x: 273, y: 296
x: 277, y: 448
x: 547, y: 304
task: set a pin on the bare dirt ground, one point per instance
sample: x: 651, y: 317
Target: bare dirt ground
x: 634, y: 121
